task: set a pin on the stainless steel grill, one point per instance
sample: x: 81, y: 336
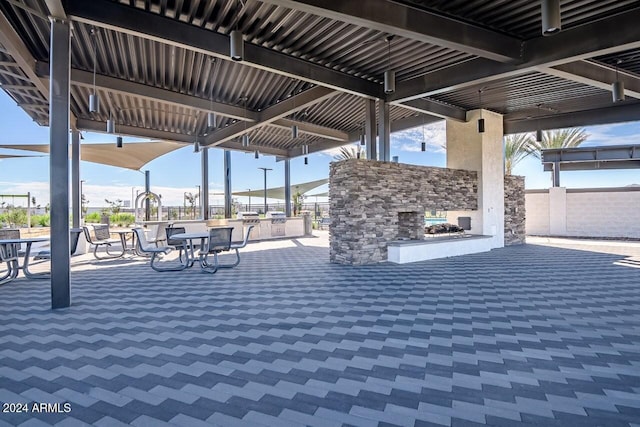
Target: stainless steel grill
x: 251, y: 218
x: 278, y: 221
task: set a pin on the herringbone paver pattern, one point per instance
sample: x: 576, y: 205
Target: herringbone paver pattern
x: 526, y: 335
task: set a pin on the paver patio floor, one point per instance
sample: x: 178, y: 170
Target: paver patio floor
x: 527, y: 335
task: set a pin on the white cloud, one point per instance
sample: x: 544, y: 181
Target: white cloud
x: 435, y: 136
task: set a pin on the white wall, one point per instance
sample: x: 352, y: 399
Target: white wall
x: 605, y: 212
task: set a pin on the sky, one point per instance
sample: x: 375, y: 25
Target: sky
x: 176, y: 173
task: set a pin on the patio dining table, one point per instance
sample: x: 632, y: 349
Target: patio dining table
x: 189, y: 242
x: 11, y: 256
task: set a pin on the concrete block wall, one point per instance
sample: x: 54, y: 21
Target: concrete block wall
x: 590, y: 212
x: 367, y: 196
x: 514, y: 210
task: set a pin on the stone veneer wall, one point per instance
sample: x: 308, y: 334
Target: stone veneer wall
x: 366, y: 197
x: 514, y: 210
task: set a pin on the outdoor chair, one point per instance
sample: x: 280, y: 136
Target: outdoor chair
x: 73, y: 245
x: 147, y: 248
x: 102, y: 238
x: 9, y: 254
x: 178, y: 244
x: 219, y: 241
x: 157, y: 234
x: 236, y: 246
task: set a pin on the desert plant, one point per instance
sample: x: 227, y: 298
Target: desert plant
x: 562, y: 138
x: 351, y: 152
x: 93, y: 217
x: 516, y: 148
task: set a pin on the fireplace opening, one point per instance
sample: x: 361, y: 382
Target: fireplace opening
x: 410, y: 225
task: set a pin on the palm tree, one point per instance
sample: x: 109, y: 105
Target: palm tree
x: 562, y: 138
x: 350, y: 152
x: 516, y: 148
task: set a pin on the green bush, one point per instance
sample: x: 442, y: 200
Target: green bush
x: 17, y: 217
x: 41, y: 220
x: 93, y: 217
x: 122, y: 219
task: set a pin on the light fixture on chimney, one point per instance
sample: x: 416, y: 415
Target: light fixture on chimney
x: 389, y: 74
x: 551, y: 21
x: 480, y: 120
x: 617, y: 89
x: 94, y: 101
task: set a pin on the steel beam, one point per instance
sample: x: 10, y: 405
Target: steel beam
x: 626, y: 112
x: 614, y: 34
x: 60, y: 57
x: 227, y: 184
x: 137, y: 22
x: 595, y: 74
x: 370, y: 129
x: 384, y: 132
x: 22, y: 56
x: 126, y: 87
x: 76, y: 197
x: 311, y: 129
x: 437, y: 109
x: 287, y: 188
x: 604, y: 153
x: 204, y: 198
x: 278, y: 111
x: 594, y: 165
x: 395, y: 18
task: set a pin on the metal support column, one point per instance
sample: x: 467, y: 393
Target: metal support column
x: 287, y: 187
x: 59, y: 77
x: 204, y: 198
x: 384, y: 132
x: 76, y: 202
x: 370, y: 128
x: 147, y: 202
x: 556, y: 174
x: 227, y: 184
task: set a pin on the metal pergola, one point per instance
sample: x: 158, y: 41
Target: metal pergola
x: 159, y: 67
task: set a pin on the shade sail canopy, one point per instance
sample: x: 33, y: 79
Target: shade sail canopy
x: 10, y: 156
x: 278, y: 192
x: 132, y: 156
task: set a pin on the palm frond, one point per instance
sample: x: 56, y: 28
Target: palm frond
x: 562, y: 138
x: 350, y: 152
x: 515, y: 149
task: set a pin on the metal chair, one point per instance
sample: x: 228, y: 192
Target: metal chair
x: 9, y: 254
x: 236, y: 246
x: 178, y: 244
x: 102, y: 238
x: 219, y: 241
x: 145, y: 247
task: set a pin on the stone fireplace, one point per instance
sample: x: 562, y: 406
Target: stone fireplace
x: 410, y: 225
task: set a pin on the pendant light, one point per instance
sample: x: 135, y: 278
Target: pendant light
x: 196, y: 145
x: 245, y: 140
x: 212, y: 121
x: 480, y: 120
x: 306, y: 160
x: 617, y: 89
x: 423, y: 144
x: 539, y: 131
x: 389, y: 74
x: 111, y: 124
x: 119, y: 142
x: 294, y: 131
x: 551, y: 20
x: 256, y: 154
x: 237, y: 46
x: 94, y: 101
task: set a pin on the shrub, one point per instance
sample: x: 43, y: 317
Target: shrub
x: 93, y: 217
x: 122, y: 219
x: 41, y: 220
x: 16, y: 217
